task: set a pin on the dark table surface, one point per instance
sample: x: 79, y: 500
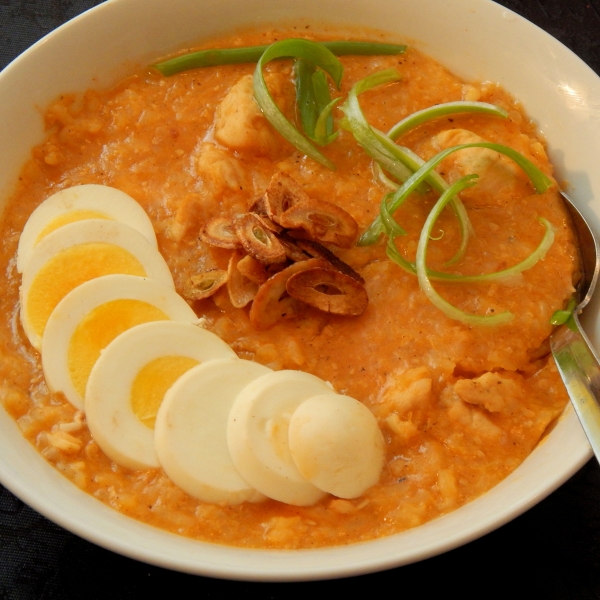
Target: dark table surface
x: 552, y: 551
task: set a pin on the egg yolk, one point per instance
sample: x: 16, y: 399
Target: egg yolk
x: 69, y: 217
x: 153, y: 381
x: 98, y: 328
x: 70, y: 268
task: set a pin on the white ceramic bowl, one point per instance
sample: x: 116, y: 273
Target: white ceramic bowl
x: 476, y: 39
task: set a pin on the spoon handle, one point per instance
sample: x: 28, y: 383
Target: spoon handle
x: 579, y: 368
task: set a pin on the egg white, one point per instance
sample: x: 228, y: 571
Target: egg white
x: 191, y: 431
x: 76, y: 305
x: 110, y: 415
x: 336, y: 444
x: 257, y: 435
x: 147, y: 259
x: 73, y: 203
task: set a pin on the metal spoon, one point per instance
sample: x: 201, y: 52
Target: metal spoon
x: 577, y: 361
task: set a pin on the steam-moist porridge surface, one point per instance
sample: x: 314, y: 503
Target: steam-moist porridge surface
x: 460, y: 407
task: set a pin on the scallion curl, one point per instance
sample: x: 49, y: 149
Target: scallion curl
x: 435, y: 180
x: 306, y: 102
x: 364, y: 134
x: 538, y: 254
x: 400, y: 162
x: 383, y: 179
x: 540, y: 181
x: 446, y: 307
x: 314, y: 102
x: 392, y: 228
x: 317, y: 54
x: 324, y: 133
x: 441, y: 110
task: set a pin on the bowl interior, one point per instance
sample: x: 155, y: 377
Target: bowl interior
x: 558, y: 91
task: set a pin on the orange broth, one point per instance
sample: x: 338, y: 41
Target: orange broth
x: 460, y: 407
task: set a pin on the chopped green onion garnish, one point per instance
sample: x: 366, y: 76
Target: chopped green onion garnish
x: 376, y: 144
x: 541, y: 183
x: 324, y: 133
x: 400, y: 162
x: 394, y: 255
x: 434, y: 179
x: 409, y: 159
x: 392, y: 228
x: 448, y: 309
x: 324, y: 129
x: 313, y: 52
x: 537, y: 255
x: 539, y: 180
x: 364, y: 134
x: 562, y: 316
x: 251, y: 54
x: 314, y: 102
x: 441, y: 110
x: 383, y: 179
x: 306, y: 102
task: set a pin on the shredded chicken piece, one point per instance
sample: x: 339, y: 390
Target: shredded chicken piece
x: 495, y: 170
x: 404, y: 431
x: 241, y: 126
x: 470, y: 417
x: 220, y: 170
x: 65, y: 442
x: 409, y: 391
x: 490, y: 391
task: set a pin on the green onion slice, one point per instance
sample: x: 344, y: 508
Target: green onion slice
x: 448, y: 309
x: 441, y: 110
x: 349, y: 48
x: 392, y: 228
x: 306, y: 101
x: 409, y: 159
x: 539, y: 180
x: 251, y: 54
x: 435, y: 180
x: 313, y: 52
x: 314, y: 102
x: 537, y: 255
x: 366, y: 135
x: 562, y: 316
x: 400, y: 162
x: 324, y: 133
x: 383, y: 179
x: 323, y: 130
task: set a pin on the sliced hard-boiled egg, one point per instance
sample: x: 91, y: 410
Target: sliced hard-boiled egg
x: 257, y: 435
x: 191, y: 431
x: 130, y: 378
x: 87, y: 319
x: 76, y: 253
x: 88, y: 201
x: 337, y: 445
